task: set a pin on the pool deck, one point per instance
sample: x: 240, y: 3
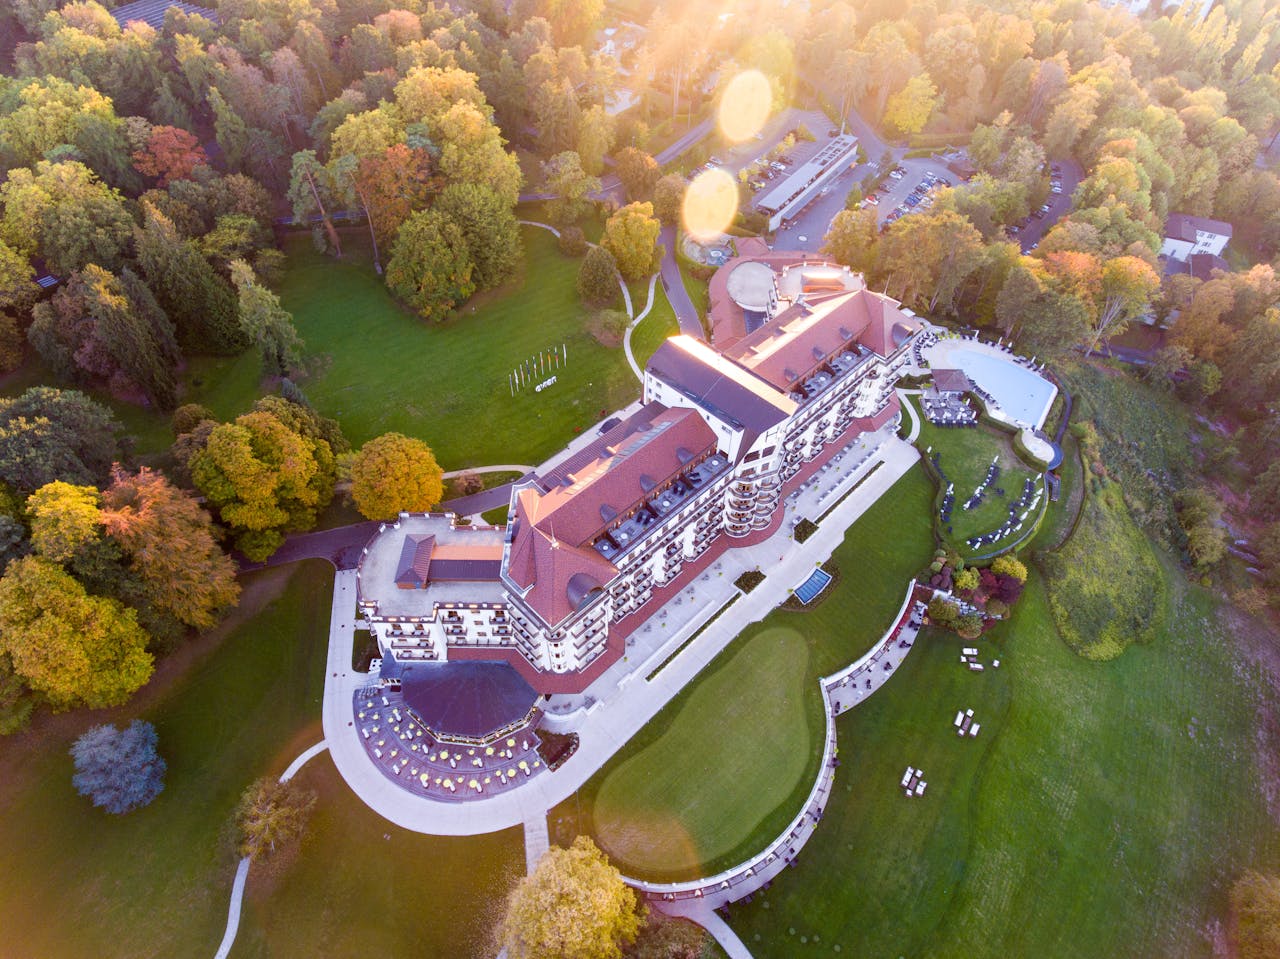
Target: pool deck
x: 949, y: 352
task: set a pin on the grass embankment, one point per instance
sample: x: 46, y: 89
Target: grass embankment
x: 1105, y: 584
x: 654, y: 329
x: 155, y: 882
x: 1145, y: 439
x: 1102, y: 811
x: 965, y: 454
x: 699, y: 290
x: 725, y: 766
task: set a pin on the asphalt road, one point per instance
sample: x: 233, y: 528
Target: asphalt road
x: 1059, y: 204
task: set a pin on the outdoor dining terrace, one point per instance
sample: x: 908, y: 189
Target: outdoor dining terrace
x: 410, y: 755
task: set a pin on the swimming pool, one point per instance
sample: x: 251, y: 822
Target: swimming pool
x: 1022, y: 395
x: 811, y: 587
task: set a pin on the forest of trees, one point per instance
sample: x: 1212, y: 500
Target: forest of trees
x: 148, y: 172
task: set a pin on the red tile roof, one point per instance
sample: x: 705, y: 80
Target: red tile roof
x: 794, y: 344
x: 551, y: 554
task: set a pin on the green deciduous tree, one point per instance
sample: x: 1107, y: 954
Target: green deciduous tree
x: 1255, y: 904
x: 571, y: 185
x: 638, y: 172
x: 264, y: 478
x: 395, y: 473
x: 48, y: 434
x: 925, y: 258
x: 598, y: 277
x: 573, y: 906
x: 489, y: 227
x: 72, y: 648
x: 430, y: 266
x: 272, y: 815
x: 908, y: 110
x: 64, y: 213
x: 668, y: 198
x: 852, y: 239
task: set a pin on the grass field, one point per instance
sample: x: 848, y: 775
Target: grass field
x: 965, y: 454
x: 360, y: 886
x: 725, y: 766
x: 654, y: 328
x: 1103, y: 810
x: 155, y: 882
x: 379, y: 368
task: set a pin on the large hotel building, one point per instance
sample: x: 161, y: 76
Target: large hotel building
x: 804, y: 359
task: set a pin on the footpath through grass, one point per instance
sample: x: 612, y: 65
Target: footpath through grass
x: 725, y: 766
x: 654, y: 329
x: 1103, y: 810
x: 76, y: 882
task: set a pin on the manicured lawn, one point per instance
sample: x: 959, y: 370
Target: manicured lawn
x: 379, y: 368
x: 727, y: 764
x: 76, y: 882
x: 363, y: 887
x: 633, y: 815
x: 965, y: 454
x: 654, y: 329
x: 1103, y: 810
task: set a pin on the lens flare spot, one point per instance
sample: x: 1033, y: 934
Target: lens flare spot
x: 710, y: 202
x: 745, y: 105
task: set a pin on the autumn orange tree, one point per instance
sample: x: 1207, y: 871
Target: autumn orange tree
x: 169, y: 541
x: 395, y: 473
x: 171, y: 154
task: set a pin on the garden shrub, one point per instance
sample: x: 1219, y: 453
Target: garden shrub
x: 572, y: 242
x: 804, y: 529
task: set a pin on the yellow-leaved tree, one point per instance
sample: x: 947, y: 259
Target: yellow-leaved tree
x: 573, y: 906
x: 395, y: 473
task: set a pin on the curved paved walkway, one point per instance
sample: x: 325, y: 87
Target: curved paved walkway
x: 626, y: 292
x: 626, y: 337
x: 507, y: 468
x: 911, y: 412
x: 242, y: 869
